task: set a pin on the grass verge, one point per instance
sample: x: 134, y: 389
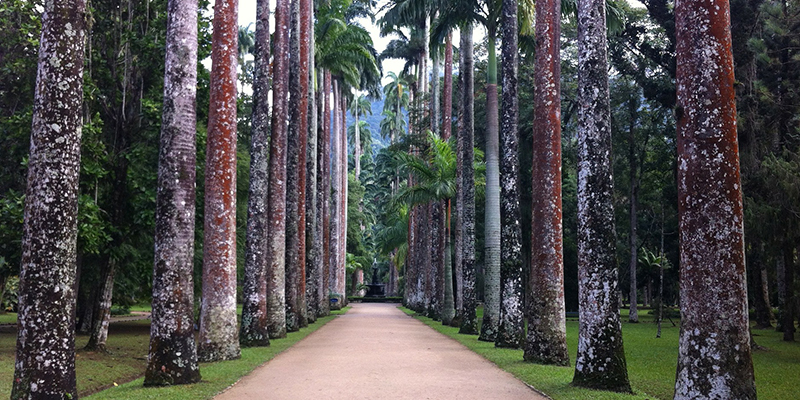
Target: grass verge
x: 651, y: 362
x: 216, y: 376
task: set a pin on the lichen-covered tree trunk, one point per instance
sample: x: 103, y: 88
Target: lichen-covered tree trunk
x: 336, y: 189
x: 714, y: 360
x: 600, y: 363
x: 437, y: 233
x: 313, y: 245
x: 219, y: 333
x: 253, y: 327
x: 102, y: 315
x: 429, y: 231
x: 295, y: 180
x: 469, y: 323
x: 325, y: 192
x: 173, y: 356
x: 547, y: 333
x: 491, y: 275
x: 45, y: 359
x: 276, y: 236
x: 342, y: 279
x: 510, y: 330
x: 458, y: 233
x: 448, y: 301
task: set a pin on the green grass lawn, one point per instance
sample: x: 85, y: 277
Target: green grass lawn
x: 128, y: 343
x: 8, y: 318
x: 651, y: 362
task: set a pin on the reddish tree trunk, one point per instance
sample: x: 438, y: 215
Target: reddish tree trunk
x: 45, y: 363
x: 325, y: 170
x: 219, y: 334
x: 714, y: 359
x: 173, y: 355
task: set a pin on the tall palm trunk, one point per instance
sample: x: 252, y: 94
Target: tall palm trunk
x: 102, y: 309
x: 313, y: 240
x: 325, y: 193
x: 253, y: 327
x: 336, y: 197
x: 343, y: 203
x: 547, y: 336
x: 295, y: 270
x: 276, y: 264
x: 356, y: 145
x: 714, y: 353
x: 219, y: 333
x: 46, y: 320
x: 469, y: 323
x: 600, y: 362
x: 510, y: 331
x: 491, y: 277
x: 448, y: 303
x: 458, y: 234
x: 172, y: 357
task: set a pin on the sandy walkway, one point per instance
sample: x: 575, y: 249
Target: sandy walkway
x: 375, y: 351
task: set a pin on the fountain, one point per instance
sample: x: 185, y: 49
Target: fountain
x: 375, y: 289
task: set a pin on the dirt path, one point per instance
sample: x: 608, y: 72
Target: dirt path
x: 375, y: 351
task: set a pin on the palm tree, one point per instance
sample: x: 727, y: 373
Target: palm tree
x: 172, y: 357
x: 49, y: 261
x: 600, y: 362
x: 358, y: 107
x: 547, y: 337
x: 510, y: 330
x: 276, y: 251
x: 219, y: 336
x: 253, y: 327
x: 466, y: 186
x: 714, y: 346
x: 313, y: 245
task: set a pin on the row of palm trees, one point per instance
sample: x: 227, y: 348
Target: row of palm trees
x: 296, y: 227
x: 712, y: 268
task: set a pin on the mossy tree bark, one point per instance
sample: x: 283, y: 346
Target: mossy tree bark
x: 253, y: 328
x: 714, y: 359
x: 600, y: 363
x: 173, y: 355
x: 510, y: 331
x: 45, y: 358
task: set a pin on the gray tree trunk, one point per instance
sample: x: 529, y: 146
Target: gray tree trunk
x: 511, y: 329
x: 714, y: 359
x: 491, y: 276
x: 253, y: 327
x: 313, y: 245
x: 276, y: 236
x: 173, y: 356
x: 325, y: 192
x: 45, y: 359
x: 600, y: 362
x: 102, y: 315
x: 219, y: 333
x: 336, y: 190
x: 469, y: 323
x: 294, y: 308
